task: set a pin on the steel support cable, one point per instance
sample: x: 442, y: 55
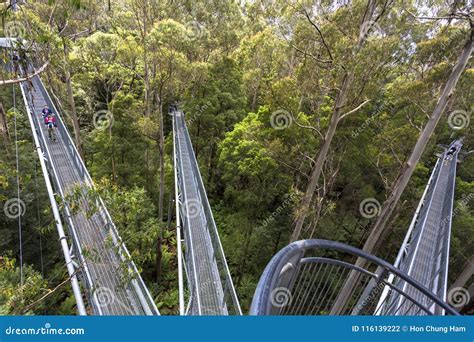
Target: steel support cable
x: 321, y: 266
x: 311, y: 291
x: 364, y: 283
x: 310, y: 288
x: 325, y: 286
x: 314, y: 303
x: 337, y: 276
x: 318, y: 290
x: 391, y: 299
x: 340, y: 283
x: 401, y: 306
x: 302, y: 276
x: 302, y: 296
x: 379, y: 306
x: 387, y: 311
x: 328, y: 284
x: 19, y: 206
x: 407, y: 311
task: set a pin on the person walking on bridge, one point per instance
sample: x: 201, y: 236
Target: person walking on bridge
x: 45, y: 112
x: 50, y: 122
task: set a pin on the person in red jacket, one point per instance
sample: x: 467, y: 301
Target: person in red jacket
x: 50, y: 122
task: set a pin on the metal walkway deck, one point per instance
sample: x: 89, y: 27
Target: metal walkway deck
x: 306, y: 277
x: 211, y: 291
x: 112, y: 282
x: 424, y: 256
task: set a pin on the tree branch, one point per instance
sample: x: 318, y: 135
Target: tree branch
x: 319, y: 32
x: 354, y: 110
x: 307, y: 126
x: 18, y: 80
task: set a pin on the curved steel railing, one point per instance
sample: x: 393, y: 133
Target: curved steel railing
x: 305, y: 277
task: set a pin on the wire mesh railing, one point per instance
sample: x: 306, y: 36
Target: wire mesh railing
x: 224, y: 291
x: 427, y: 256
x: 305, y: 278
x: 135, y: 288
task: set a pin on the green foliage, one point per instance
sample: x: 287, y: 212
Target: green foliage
x: 15, y: 299
x: 232, y: 70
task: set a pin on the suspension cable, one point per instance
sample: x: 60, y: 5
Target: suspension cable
x: 19, y: 206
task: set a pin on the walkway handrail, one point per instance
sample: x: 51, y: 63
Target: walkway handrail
x: 137, y: 282
x: 208, y: 212
x: 226, y: 301
x: 54, y: 205
x: 402, y: 253
x: 292, y: 255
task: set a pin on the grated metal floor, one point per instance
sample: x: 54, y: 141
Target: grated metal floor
x: 209, y: 291
x: 111, y: 284
x: 428, y: 253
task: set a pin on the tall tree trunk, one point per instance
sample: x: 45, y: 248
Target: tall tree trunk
x: 243, y: 259
x: 465, y: 275
x: 400, y: 184
x: 145, y: 61
x: 336, y: 115
x: 72, y: 104
x: 420, y: 146
x: 159, y: 254
x: 4, y: 128
x: 161, y: 147
x: 162, y: 159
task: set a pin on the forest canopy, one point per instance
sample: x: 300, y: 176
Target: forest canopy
x: 298, y: 111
